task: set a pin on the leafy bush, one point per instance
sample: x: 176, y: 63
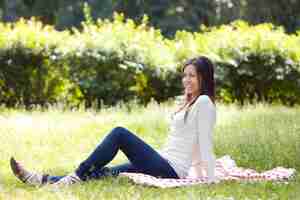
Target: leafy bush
x: 106, y: 61
x: 31, y: 71
x: 253, y: 63
x: 119, y: 60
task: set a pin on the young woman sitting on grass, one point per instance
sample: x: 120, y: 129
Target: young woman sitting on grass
x: 189, y: 143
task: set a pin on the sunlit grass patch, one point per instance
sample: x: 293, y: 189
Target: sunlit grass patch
x: 56, y: 141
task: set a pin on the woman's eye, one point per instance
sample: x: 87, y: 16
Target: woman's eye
x: 188, y: 75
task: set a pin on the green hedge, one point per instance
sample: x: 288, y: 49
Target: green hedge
x: 30, y: 73
x: 253, y: 63
x: 120, y: 60
x: 103, y: 63
x: 110, y: 61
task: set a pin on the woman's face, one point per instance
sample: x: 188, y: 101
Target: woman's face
x: 190, y: 81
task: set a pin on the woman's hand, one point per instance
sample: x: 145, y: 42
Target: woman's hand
x: 200, y: 170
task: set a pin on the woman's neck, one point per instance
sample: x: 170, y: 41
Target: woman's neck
x: 187, y: 103
x: 191, y: 98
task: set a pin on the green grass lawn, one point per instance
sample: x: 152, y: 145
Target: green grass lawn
x: 55, y: 141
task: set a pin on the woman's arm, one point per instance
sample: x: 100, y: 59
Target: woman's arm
x: 206, y: 118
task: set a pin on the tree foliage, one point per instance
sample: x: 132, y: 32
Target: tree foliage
x: 167, y: 15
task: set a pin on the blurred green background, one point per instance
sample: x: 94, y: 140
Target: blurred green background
x: 167, y: 15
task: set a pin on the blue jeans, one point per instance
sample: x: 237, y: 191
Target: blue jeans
x: 142, y: 158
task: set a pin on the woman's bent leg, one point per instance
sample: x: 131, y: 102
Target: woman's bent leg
x: 142, y: 157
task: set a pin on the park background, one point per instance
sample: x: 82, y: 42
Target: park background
x: 99, y: 64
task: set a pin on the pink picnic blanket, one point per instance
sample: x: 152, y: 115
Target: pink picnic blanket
x: 226, y: 169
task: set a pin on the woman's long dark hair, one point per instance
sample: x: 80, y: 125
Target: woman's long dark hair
x: 205, y: 70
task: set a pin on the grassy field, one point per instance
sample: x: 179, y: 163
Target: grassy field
x: 55, y: 142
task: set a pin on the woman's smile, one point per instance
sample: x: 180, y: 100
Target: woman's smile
x: 190, y: 81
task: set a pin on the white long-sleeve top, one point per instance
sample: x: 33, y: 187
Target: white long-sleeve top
x: 190, y: 141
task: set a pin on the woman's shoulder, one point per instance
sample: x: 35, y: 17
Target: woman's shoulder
x: 205, y: 106
x: 204, y: 100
